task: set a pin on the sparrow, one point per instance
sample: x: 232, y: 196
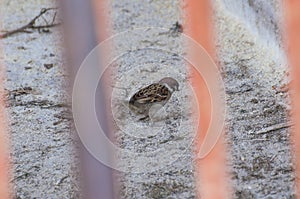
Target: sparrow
x: 155, y: 94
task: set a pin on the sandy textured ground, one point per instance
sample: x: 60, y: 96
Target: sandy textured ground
x: 160, y: 162
x: 41, y: 142
x: 254, y: 72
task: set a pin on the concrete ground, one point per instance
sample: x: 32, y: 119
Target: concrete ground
x: 255, y: 75
x: 249, y: 48
x: 41, y: 140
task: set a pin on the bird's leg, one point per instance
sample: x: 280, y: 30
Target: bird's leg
x: 174, y: 116
x: 144, y: 118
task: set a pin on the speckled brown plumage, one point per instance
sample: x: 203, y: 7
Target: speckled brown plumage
x: 156, y: 93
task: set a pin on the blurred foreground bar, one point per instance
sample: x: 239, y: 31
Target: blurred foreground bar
x: 5, y: 170
x: 211, y: 176
x: 292, y: 15
x: 81, y: 37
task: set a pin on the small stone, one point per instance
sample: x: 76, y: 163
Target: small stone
x: 48, y: 66
x: 21, y: 48
x: 254, y: 100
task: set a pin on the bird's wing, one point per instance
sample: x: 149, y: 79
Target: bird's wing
x: 152, y: 94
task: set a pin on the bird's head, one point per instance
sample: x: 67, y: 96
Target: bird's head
x: 171, y: 83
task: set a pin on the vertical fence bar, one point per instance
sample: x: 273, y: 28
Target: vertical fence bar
x: 81, y: 35
x: 5, y: 169
x: 211, y: 173
x: 292, y: 18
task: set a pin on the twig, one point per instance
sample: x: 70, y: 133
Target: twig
x: 31, y: 24
x: 274, y: 127
x: 61, y: 180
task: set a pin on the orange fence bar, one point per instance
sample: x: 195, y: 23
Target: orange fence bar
x: 292, y: 16
x: 102, y: 19
x: 211, y: 173
x: 5, y: 191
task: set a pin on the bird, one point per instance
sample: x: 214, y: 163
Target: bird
x: 154, y: 94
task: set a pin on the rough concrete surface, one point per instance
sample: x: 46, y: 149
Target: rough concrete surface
x: 255, y: 76
x: 41, y: 142
x: 159, y: 164
x: 249, y: 49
